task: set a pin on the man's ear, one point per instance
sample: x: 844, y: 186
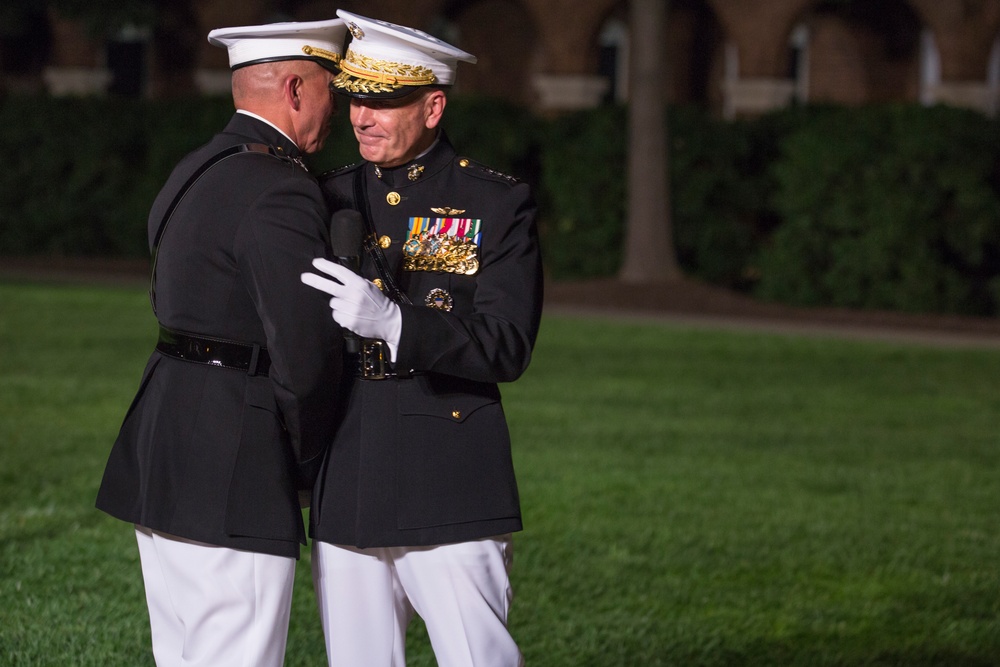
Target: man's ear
x: 434, y: 105
x: 292, y: 91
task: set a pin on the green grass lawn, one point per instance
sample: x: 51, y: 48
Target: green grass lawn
x: 691, y: 497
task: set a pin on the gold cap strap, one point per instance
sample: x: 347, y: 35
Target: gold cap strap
x: 317, y: 52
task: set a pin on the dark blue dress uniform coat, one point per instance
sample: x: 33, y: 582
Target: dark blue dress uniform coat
x: 426, y: 459
x: 214, y: 454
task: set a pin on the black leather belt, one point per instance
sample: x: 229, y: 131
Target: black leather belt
x: 248, y: 357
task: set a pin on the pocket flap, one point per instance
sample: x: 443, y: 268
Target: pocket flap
x: 448, y: 398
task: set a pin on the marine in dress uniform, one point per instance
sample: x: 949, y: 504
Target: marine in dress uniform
x: 417, y: 496
x: 233, y: 411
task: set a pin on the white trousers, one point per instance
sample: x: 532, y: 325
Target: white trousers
x: 367, y: 597
x: 214, y: 607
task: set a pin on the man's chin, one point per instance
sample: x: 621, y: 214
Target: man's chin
x: 368, y: 154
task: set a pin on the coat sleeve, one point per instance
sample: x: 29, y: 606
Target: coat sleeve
x: 286, y: 228
x: 494, y: 342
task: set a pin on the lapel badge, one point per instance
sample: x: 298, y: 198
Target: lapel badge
x: 414, y: 171
x: 447, y: 210
x: 378, y: 171
x: 439, y: 299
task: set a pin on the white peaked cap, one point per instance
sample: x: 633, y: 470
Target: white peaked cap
x: 389, y: 60
x: 319, y: 41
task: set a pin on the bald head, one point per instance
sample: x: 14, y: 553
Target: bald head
x: 294, y: 95
x: 260, y: 85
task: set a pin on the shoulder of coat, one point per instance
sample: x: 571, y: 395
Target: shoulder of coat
x: 480, y: 170
x: 339, y: 171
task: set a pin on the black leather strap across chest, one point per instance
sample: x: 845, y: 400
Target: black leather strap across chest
x: 374, y: 250
x: 197, y: 348
x: 211, y: 162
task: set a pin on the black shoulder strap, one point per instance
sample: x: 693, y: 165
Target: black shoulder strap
x: 374, y: 250
x: 211, y: 162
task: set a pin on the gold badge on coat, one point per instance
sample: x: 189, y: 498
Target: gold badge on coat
x: 439, y: 299
x: 447, y: 210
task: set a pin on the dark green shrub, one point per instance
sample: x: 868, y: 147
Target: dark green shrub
x: 67, y: 166
x: 720, y: 190
x: 81, y: 174
x: 893, y: 208
x: 582, y: 193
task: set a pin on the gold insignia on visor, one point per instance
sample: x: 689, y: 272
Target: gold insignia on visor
x: 361, y: 74
x: 321, y: 53
x: 356, y: 31
x: 447, y: 210
x: 439, y: 299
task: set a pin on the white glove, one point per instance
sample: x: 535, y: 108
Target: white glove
x: 358, y: 304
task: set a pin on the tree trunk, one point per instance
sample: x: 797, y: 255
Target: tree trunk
x: 649, y: 248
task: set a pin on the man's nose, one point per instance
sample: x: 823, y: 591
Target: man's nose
x: 361, y: 115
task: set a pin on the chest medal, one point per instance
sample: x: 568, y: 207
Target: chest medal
x: 445, y: 245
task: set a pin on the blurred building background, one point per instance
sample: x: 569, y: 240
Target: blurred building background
x: 732, y: 57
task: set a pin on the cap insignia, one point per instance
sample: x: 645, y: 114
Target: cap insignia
x: 356, y: 31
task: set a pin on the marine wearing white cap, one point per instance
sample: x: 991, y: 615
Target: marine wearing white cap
x: 213, y: 496
x: 417, y: 499
x: 319, y: 41
x: 385, y: 60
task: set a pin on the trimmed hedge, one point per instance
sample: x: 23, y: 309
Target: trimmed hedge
x: 892, y: 208
x: 882, y: 207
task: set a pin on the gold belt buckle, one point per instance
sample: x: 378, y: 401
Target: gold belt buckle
x: 374, y: 360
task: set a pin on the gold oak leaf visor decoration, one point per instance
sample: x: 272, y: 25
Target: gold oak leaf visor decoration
x: 360, y: 74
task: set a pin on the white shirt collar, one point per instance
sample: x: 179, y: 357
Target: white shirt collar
x: 264, y: 120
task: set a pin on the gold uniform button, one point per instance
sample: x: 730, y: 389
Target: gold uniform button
x: 393, y: 198
x: 384, y: 242
x: 463, y: 163
x: 457, y: 414
x: 378, y: 284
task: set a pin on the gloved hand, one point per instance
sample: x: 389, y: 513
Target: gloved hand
x: 358, y: 305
